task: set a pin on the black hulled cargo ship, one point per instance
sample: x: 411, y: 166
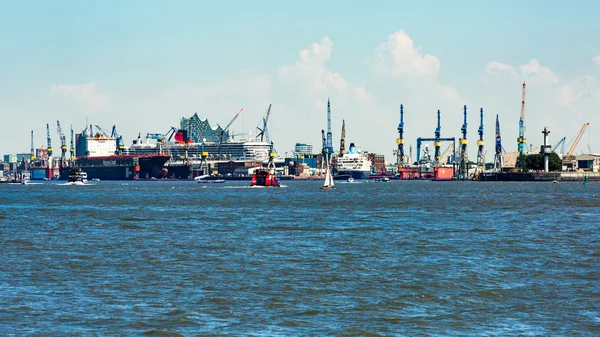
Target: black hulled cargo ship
x: 120, y: 167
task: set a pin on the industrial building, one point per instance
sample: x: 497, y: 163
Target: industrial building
x: 303, y: 148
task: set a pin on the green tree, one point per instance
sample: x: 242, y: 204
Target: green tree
x: 535, y: 162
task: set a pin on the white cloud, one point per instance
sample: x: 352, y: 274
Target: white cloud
x: 85, y: 94
x: 561, y: 104
x: 399, y: 56
x: 596, y: 60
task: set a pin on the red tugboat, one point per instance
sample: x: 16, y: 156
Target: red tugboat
x: 266, y: 176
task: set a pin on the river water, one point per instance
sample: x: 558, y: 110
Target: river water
x: 401, y: 258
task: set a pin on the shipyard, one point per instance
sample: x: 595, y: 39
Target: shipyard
x: 196, y: 149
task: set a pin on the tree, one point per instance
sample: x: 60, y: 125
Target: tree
x: 536, y: 162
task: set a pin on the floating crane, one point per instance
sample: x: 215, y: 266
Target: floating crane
x: 119, y: 140
x: 32, y: 150
x: 521, y: 139
x: 400, y: 160
x: 567, y: 158
x: 463, y: 166
x: 264, y: 132
x: 72, y: 149
x: 63, y: 144
x: 343, y: 138
x: 436, y: 142
x: 329, y: 134
x: 227, y: 128
x: 498, y: 155
x: 480, y: 153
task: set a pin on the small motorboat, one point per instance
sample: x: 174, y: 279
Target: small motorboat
x: 350, y: 180
x: 77, y: 177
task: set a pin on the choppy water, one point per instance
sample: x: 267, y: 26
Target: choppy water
x: 366, y: 259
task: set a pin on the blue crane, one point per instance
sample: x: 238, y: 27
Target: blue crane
x: 521, y: 139
x: 264, y: 132
x: 118, y: 138
x: 48, y: 139
x: 63, y: 143
x: 480, y: 154
x: 498, y: 154
x: 72, y: 149
x: 400, y: 141
x: 437, y: 142
x: 463, y: 166
x: 329, y: 134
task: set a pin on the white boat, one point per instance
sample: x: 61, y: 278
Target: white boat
x: 328, y: 183
x: 353, y: 164
x: 350, y: 180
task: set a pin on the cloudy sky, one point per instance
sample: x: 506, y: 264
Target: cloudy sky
x: 143, y: 65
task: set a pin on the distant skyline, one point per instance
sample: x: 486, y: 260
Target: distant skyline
x: 143, y: 65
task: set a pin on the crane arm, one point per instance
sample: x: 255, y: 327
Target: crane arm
x: 102, y: 131
x: 562, y: 141
x: 444, y: 158
x: 579, y: 135
x: 232, y: 120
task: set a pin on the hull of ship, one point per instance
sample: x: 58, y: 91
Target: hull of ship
x: 177, y: 171
x: 120, y: 167
x: 440, y: 173
x: 345, y: 174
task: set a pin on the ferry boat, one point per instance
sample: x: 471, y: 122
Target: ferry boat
x: 353, y: 164
x: 264, y: 177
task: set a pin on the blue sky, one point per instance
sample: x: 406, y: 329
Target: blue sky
x: 142, y: 65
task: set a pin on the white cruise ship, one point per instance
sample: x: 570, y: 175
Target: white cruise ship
x: 353, y: 164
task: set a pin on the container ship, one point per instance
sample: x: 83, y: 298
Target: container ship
x: 99, y: 161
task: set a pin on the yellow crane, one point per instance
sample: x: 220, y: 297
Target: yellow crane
x: 568, y: 158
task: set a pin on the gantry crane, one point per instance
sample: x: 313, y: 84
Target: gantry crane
x: 264, y: 132
x: 400, y: 160
x: 463, y: 165
x: 521, y: 139
x: 498, y: 160
x: 72, y: 149
x: 32, y: 150
x: 329, y: 134
x: 227, y: 128
x: 436, y: 142
x: 323, y: 151
x: 567, y: 158
x: 63, y: 144
x: 480, y: 153
x: 49, y: 151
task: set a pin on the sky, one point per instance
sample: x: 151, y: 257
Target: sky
x: 143, y: 65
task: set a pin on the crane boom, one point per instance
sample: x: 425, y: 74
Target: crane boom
x: 101, y: 131
x: 227, y: 128
x: 264, y: 132
x: 559, y: 144
x: 579, y: 135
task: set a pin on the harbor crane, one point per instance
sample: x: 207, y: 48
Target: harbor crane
x: 324, y: 150
x: 329, y: 134
x: 101, y: 130
x: 567, y: 159
x: 480, y: 153
x: 560, y: 144
x: 400, y: 159
x: 521, y: 139
x: 63, y: 144
x: 464, y: 161
x: 264, y: 132
x: 436, y: 142
x: 343, y: 138
x: 118, y: 138
x: 72, y: 149
x: 227, y: 128
x: 49, y: 151
x: 32, y: 150
x: 498, y: 160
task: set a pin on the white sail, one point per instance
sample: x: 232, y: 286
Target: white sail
x: 328, y: 180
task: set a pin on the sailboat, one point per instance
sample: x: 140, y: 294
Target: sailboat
x: 328, y: 184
